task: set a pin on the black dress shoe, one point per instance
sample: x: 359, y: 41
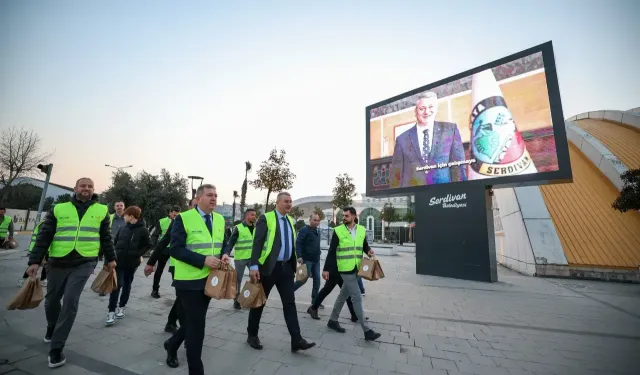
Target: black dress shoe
x: 254, y: 342
x: 334, y: 325
x: 236, y: 305
x: 171, y: 328
x: 301, y: 344
x: 172, y: 356
x: 313, y: 313
x: 371, y: 335
x: 155, y: 294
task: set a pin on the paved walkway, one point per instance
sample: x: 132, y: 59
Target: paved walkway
x: 431, y: 326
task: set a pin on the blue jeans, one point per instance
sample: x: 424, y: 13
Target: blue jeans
x: 125, y: 279
x: 313, y: 270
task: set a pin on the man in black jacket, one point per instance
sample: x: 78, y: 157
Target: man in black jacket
x: 68, y: 274
x: 175, y: 315
x: 277, y: 269
x: 308, y: 251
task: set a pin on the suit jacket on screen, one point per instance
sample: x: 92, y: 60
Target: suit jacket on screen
x: 407, y: 156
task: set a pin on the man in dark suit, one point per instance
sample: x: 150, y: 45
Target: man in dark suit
x: 427, y: 143
x: 273, y: 263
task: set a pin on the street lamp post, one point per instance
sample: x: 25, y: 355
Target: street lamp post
x: 119, y: 169
x: 193, y: 191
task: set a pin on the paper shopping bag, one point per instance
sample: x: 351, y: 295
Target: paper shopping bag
x: 231, y: 282
x: 105, y: 282
x: 215, y: 287
x: 366, y: 268
x: 252, y: 295
x: 377, y: 270
x: 28, y: 297
x: 301, y: 273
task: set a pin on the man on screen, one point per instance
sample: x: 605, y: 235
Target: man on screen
x: 427, y: 144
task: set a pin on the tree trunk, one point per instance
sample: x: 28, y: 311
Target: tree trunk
x: 267, y: 203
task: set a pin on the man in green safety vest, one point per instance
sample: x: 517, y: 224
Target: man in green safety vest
x: 273, y: 263
x: 348, y: 243
x: 241, y: 240
x: 197, y: 238
x: 6, y: 226
x: 163, y: 254
x: 73, y: 233
x: 43, y: 274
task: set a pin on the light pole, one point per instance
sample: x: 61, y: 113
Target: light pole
x: 193, y: 191
x: 46, y: 169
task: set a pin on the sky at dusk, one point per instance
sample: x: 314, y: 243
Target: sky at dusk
x: 198, y: 87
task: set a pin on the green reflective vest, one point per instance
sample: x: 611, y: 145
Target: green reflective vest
x: 164, y: 224
x: 34, y: 235
x: 244, y: 243
x: 73, y: 233
x: 200, y: 241
x: 349, y: 251
x: 111, y: 219
x: 272, y: 218
x: 4, y: 226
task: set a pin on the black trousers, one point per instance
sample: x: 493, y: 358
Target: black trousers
x: 162, y: 262
x: 194, y: 305
x: 327, y: 289
x: 175, y: 315
x: 282, y: 278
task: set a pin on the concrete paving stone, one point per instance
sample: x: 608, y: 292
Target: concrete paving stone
x: 384, y: 363
x: 473, y: 368
x: 490, y: 353
x: 144, y: 365
x: 443, y: 364
x: 457, y: 357
x: 352, y: 359
x: 404, y: 341
x: 404, y: 368
x: 434, y: 353
x: 6, y: 368
x: 458, y: 349
x: 411, y: 350
x: 266, y: 367
x: 481, y: 360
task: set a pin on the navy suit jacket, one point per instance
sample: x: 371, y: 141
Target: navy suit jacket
x: 446, y: 147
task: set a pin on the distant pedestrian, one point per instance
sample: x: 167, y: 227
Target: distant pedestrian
x: 308, y: 250
x: 131, y: 242
x: 73, y: 233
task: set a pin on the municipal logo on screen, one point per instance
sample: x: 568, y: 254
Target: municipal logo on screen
x: 450, y: 201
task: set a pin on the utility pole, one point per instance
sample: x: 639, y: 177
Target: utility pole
x: 119, y: 169
x: 193, y: 191
x: 46, y: 169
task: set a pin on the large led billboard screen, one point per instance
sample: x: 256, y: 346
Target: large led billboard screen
x: 500, y: 124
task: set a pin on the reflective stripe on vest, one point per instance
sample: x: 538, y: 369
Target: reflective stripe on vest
x: 72, y: 233
x: 244, y: 244
x: 4, y: 226
x: 349, y: 251
x: 34, y: 235
x: 271, y: 218
x: 199, y: 241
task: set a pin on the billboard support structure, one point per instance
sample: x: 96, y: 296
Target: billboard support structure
x: 455, y: 235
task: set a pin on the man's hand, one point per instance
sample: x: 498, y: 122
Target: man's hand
x: 111, y: 265
x: 211, y: 262
x: 300, y: 260
x: 325, y: 275
x: 148, y: 270
x: 33, y: 270
x: 371, y: 253
x: 226, y: 259
x: 254, y: 275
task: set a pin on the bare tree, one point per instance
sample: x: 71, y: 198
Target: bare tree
x: 20, y: 154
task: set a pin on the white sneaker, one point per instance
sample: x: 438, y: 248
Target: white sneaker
x: 111, y: 319
x: 44, y: 283
x: 120, y: 311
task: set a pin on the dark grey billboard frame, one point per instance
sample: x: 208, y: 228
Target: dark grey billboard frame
x: 444, y: 244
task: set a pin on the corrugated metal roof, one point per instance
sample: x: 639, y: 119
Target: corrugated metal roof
x: 591, y: 232
x: 622, y: 141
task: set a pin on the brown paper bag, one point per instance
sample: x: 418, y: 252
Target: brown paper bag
x: 105, y: 282
x: 301, y: 273
x: 28, y: 297
x: 377, y: 270
x: 252, y: 295
x: 231, y: 282
x: 366, y: 268
x: 215, y: 287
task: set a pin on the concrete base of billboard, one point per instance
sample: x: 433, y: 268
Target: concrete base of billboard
x: 455, y: 236
x: 405, y: 248
x: 387, y: 250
